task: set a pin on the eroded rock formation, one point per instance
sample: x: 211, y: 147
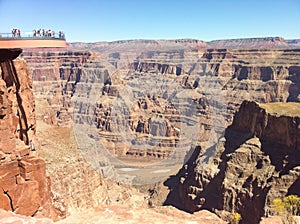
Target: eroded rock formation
x: 24, y: 187
x: 256, y: 162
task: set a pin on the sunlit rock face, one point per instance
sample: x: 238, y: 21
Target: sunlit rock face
x: 24, y: 186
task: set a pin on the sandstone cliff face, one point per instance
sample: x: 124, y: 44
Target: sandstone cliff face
x: 135, y: 47
x: 23, y: 182
x: 256, y: 162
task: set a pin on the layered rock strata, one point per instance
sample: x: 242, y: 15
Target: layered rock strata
x: 263, y: 42
x: 84, y: 86
x: 135, y: 46
x: 56, y: 76
x: 262, y: 75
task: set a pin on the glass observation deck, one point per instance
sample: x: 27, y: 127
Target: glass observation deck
x: 32, y: 40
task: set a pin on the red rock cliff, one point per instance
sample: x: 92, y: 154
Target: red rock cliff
x: 24, y: 188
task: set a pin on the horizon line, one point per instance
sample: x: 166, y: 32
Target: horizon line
x: 186, y: 38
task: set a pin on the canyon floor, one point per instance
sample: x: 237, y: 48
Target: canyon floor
x: 124, y: 204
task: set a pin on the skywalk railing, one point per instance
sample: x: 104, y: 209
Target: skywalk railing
x: 31, y: 36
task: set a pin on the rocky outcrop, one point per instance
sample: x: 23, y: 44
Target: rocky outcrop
x: 24, y: 186
x: 161, y: 134
x: 171, y: 69
x: 256, y: 162
x: 294, y: 43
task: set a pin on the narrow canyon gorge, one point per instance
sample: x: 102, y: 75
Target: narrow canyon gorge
x: 179, y: 130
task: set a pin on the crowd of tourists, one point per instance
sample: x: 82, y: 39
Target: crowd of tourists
x: 39, y: 33
x: 47, y: 33
x: 16, y: 33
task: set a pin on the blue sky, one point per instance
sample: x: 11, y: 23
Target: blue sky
x: 108, y: 20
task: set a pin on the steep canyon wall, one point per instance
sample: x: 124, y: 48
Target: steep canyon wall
x: 25, y: 189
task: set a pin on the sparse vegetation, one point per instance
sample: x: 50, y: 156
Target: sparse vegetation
x: 287, y: 207
x: 292, y: 204
x: 235, y: 218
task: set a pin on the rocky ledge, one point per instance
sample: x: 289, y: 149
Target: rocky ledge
x: 121, y: 214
